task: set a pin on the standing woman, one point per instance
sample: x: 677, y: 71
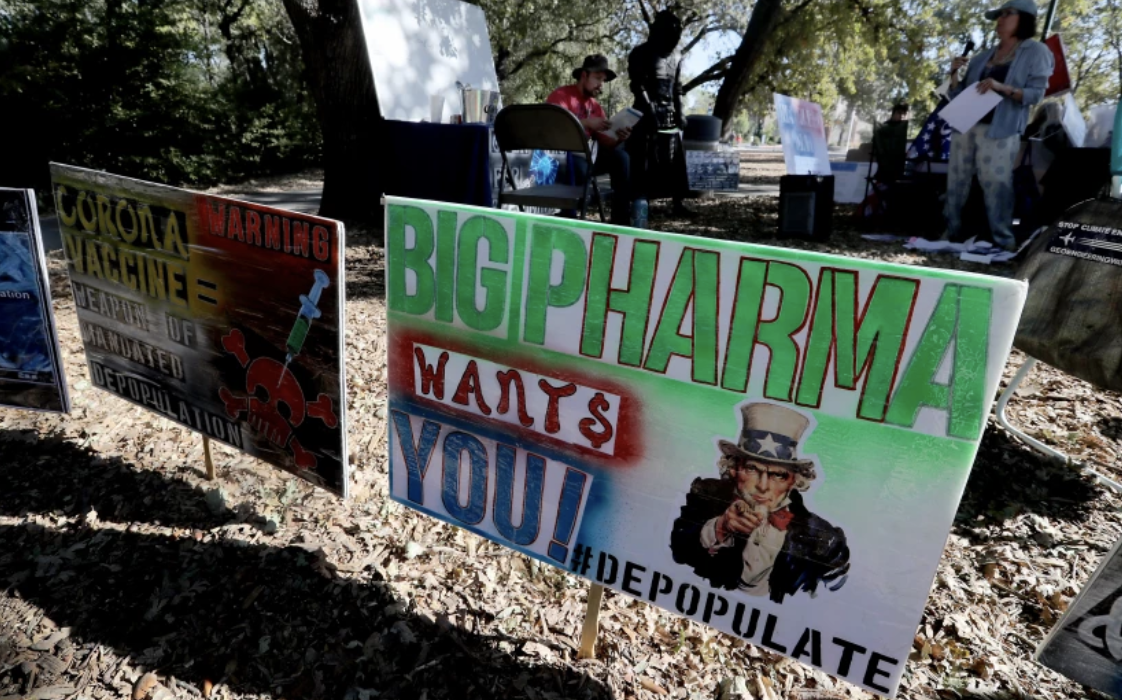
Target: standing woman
x: 1018, y: 69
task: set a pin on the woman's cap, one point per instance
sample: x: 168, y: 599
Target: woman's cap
x: 1025, y: 7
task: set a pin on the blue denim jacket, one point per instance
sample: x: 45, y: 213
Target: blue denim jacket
x: 1030, y: 70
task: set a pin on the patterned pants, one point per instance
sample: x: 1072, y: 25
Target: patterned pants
x: 993, y: 161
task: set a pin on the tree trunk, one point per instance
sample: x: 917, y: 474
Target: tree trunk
x: 338, y: 73
x: 765, y: 15
x: 847, y: 132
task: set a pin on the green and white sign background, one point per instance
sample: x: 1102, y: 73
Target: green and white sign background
x: 770, y: 441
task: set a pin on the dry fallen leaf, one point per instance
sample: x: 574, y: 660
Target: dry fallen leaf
x: 145, y: 686
x: 766, y: 688
x: 650, y: 685
x: 990, y: 571
x: 982, y: 668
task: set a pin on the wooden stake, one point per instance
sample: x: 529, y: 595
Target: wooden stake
x: 591, y: 622
x: 210, y: 475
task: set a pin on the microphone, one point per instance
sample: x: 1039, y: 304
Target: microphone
x: 969, y: 48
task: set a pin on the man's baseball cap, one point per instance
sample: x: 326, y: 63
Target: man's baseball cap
x: 1025, y: 7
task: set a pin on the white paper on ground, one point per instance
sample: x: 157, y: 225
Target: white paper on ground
x: 971, y: 250
x: 969, y: 107
x: 940, y: 246
x: 883, y: 237
x: 975, y: 257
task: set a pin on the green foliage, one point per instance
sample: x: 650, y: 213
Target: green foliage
x: 537, y: 43
x: 178, y: 92
x: 201, y: 91
x: 872, y: 53
x: 868, y: 54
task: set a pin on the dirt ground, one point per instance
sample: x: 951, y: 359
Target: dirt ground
x: 762, y: 167
x: 124, y: 573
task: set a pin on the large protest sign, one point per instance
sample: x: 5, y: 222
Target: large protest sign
x: 804, y: 136
x: 769, y: 441
x: 221, y: 315
x: 31, y: 374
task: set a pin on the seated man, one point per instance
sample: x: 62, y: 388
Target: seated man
x: 580, y: 99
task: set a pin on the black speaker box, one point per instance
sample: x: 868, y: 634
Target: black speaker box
x: 806, y: 206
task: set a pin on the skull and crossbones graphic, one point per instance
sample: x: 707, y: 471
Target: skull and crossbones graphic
x: 280, y: 388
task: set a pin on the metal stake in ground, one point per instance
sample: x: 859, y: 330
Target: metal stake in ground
x: 206, y: 457
x: 591, y: 622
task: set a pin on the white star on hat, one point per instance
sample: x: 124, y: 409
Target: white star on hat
x: 768, y: 444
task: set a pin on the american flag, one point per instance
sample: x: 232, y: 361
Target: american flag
x: 934, y: 140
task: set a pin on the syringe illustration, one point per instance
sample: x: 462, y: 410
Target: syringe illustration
x: 309, y: 311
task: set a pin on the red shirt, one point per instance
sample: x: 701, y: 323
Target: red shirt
x: 572, y: 98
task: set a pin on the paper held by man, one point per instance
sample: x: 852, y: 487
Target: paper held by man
x: 966, y: 110
x: 626, y: 118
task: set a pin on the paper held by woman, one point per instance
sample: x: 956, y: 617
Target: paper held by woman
x: 966, y: 110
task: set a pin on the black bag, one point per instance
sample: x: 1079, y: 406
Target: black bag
x: 1073, y: 313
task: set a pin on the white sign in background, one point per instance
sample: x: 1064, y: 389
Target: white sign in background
x: 804, y: 136
x: 420, y: 48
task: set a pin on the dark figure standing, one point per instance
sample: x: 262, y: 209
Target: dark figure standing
x: 658, y: 162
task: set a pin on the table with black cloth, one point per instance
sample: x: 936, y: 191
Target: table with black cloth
x: 441, y: 162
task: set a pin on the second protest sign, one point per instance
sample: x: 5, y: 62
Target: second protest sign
x: 221, y: 315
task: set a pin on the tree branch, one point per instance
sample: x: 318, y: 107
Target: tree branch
x: 793, y: 12
x: 711, y: 74
x: 547, y: 49
x: 646, y: 15
x: 229, y: 18
x: 701, y: 35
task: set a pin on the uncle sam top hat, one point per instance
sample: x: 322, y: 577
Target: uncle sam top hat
x: 771, y: 434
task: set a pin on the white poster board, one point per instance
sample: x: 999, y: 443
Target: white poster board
x: 804, y: 136
x: 1074, y: 124
x: 421, y: 48
x: 851, y: 180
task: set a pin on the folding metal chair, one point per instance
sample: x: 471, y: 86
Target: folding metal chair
x: 548, y: 128
x: 1003, y: 402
